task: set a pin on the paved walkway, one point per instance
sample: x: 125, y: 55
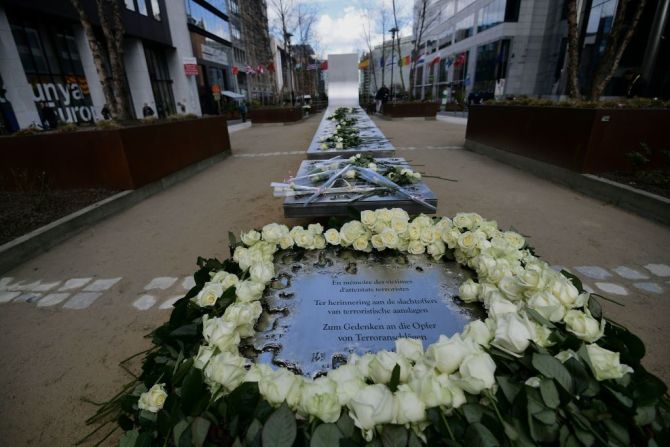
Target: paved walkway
x: 70, y: 315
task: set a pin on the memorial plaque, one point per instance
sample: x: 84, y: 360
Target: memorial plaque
x: 341, y: 204
x: 374, y: 142
x: 335, y: 302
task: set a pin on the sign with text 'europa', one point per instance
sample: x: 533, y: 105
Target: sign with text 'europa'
x: 326, y: 306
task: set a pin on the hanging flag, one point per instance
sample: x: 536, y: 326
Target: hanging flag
x: 362, y: 65
x: 460, y: 59
x: 271, y: 67
x: 324, y: 65
x: 249, y: 70
x: 260, y: 69
x: 312, y: 66
x: 420, y: 60
x: 391, y: 62
x: 403, y: 61
x: 435, y: 60
x: 235, y: 70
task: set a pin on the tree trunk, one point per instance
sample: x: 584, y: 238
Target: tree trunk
x: 573, y: 50
x: 395, y: 21
x: 615, y: 47
x: 110, y: 99
x: 418, y: 35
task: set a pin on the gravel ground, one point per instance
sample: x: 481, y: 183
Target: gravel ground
x: 23, y: 212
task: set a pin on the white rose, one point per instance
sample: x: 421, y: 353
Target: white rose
x: 262, y: 272
x: 564, y: 356
x: 511, y: 288
x: 427, y: 235
x: 535, y: 277
x: 304, y: 239
x: 351, y: 231
x: 220, y: 333
x: 332, y: 236
x: 513, y: 333
x: 563, y: 289
x: 362, y: 363
x: 368, y: 218
x: 584, y: 326
x: 399, y: 224
x: 408, y: 407
x: 257, y: 371
x: 423, y: 221
x: 409, y: 348
x: 541, y: 335
x: 248, y: 291
x: 389, y: 238
x: 547, y: 305
x: 377, y: 243
x: 362, y: 244
x: 464, y: 220
x: 467, y: 241
x: 515, y: 240
x: 209, y: 294
x: 414, y: 231
x: 273, y: 232
x: 224, y: 278
x: 605, y: 364
x: 349, y: 381
x: 243, y: 316
x: 281, y: 385
x: 319, y: 398
x: 447, y: 353
x: 437, y: 390
x: 315, y: 229
x: 154, y: 399
x: 477, y: 373
x: 498, y: 306
x: 450, y: 237
x: 479, y: 332
x: 323, y: 146
x: 226, y: 369
x: 469, y: 291
x: 204, y: 354
x: 416, y: 247
x: 372, y: 406
x: 437, y: 249
x: 319, y: 242
x: 250, y: 238
x: 241, y: 256
x: 350, y: 174
x: 286, y: 242
x: 382, y: 365
x: 384, y: 214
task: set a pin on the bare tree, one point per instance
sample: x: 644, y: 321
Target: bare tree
x: 366, y: 34
x: 421, y: 24
x: 306, y: 18
x: 115, y: 91
x: 622, y: 31
x: 395, y: 22
x: 284, y: 26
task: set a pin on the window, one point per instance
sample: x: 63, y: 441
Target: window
x: 235, y: 32
x: 130, y: 4
x: 234, y: 7
x: 447, y: 39
x: 156, y: 9
x: 491, y: 65
x: 491, y: 15
x: 448, y: 10
x: 464, y: 28
x: 142, y: 7
x: 161, y: 83
x: 218, y: 4
x: 206, y: 20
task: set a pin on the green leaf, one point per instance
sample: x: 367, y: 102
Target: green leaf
x: 549, y: 393
x: 472, y: 412
x: 595, y: 308
x: 187, y: 330
x: 394, y: 436
x: 129, y: 438
x: 179, y: 430
x: 622, y: 398
x: 574, y: 280
x: 645, y: 415
x: 395, y: 378
x: 509, y: 386
x: 535, y: 315
x: 551, y: 367
x: 414, y: 440
x: 199, y: 430
x: 192, y: 390
x: 547, y: 417
x: 617, y: 432
x: 477, y: 435
x: 280, y: 428
x: 326, y: 435
x: 253, y: 436
x: 346, y: 425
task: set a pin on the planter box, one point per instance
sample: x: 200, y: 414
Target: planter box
x: 275, y: 115
x: 582, y: 140
x: 411, y: 109
x: 124, y: 158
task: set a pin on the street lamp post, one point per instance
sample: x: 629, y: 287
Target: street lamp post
x: 393, y: 31
x: 287, y: 39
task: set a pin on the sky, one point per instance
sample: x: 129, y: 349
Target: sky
x: 339, y: 24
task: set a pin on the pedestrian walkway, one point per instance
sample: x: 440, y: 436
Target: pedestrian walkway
x: 70, y: 315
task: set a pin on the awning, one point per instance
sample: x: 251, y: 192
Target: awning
x: 233, y: 95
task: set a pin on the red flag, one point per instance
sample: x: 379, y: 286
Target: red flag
x: 324, y: 66
x: 235, y: 70
x: 435, y: 60
x: 460, y: 60
x: 271, y: 67
x: 260, y: 69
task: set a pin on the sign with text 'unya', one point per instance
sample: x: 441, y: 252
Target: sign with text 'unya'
x: 326, y: 306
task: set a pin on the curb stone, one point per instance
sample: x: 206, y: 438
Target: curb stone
x: 642, y: 203
x: 23, y: 248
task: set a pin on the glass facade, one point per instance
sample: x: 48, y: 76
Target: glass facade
x: 491, y: 65
x: 491, y: 15
x: 464, y: 28
x: 52, y: 65
x: 161, y: 83
x: 463, y: 3
x: 207, y: 20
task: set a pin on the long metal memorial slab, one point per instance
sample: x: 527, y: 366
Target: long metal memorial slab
x: 328, y: 304
x: 364, y: 191
x: 372, y: 140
